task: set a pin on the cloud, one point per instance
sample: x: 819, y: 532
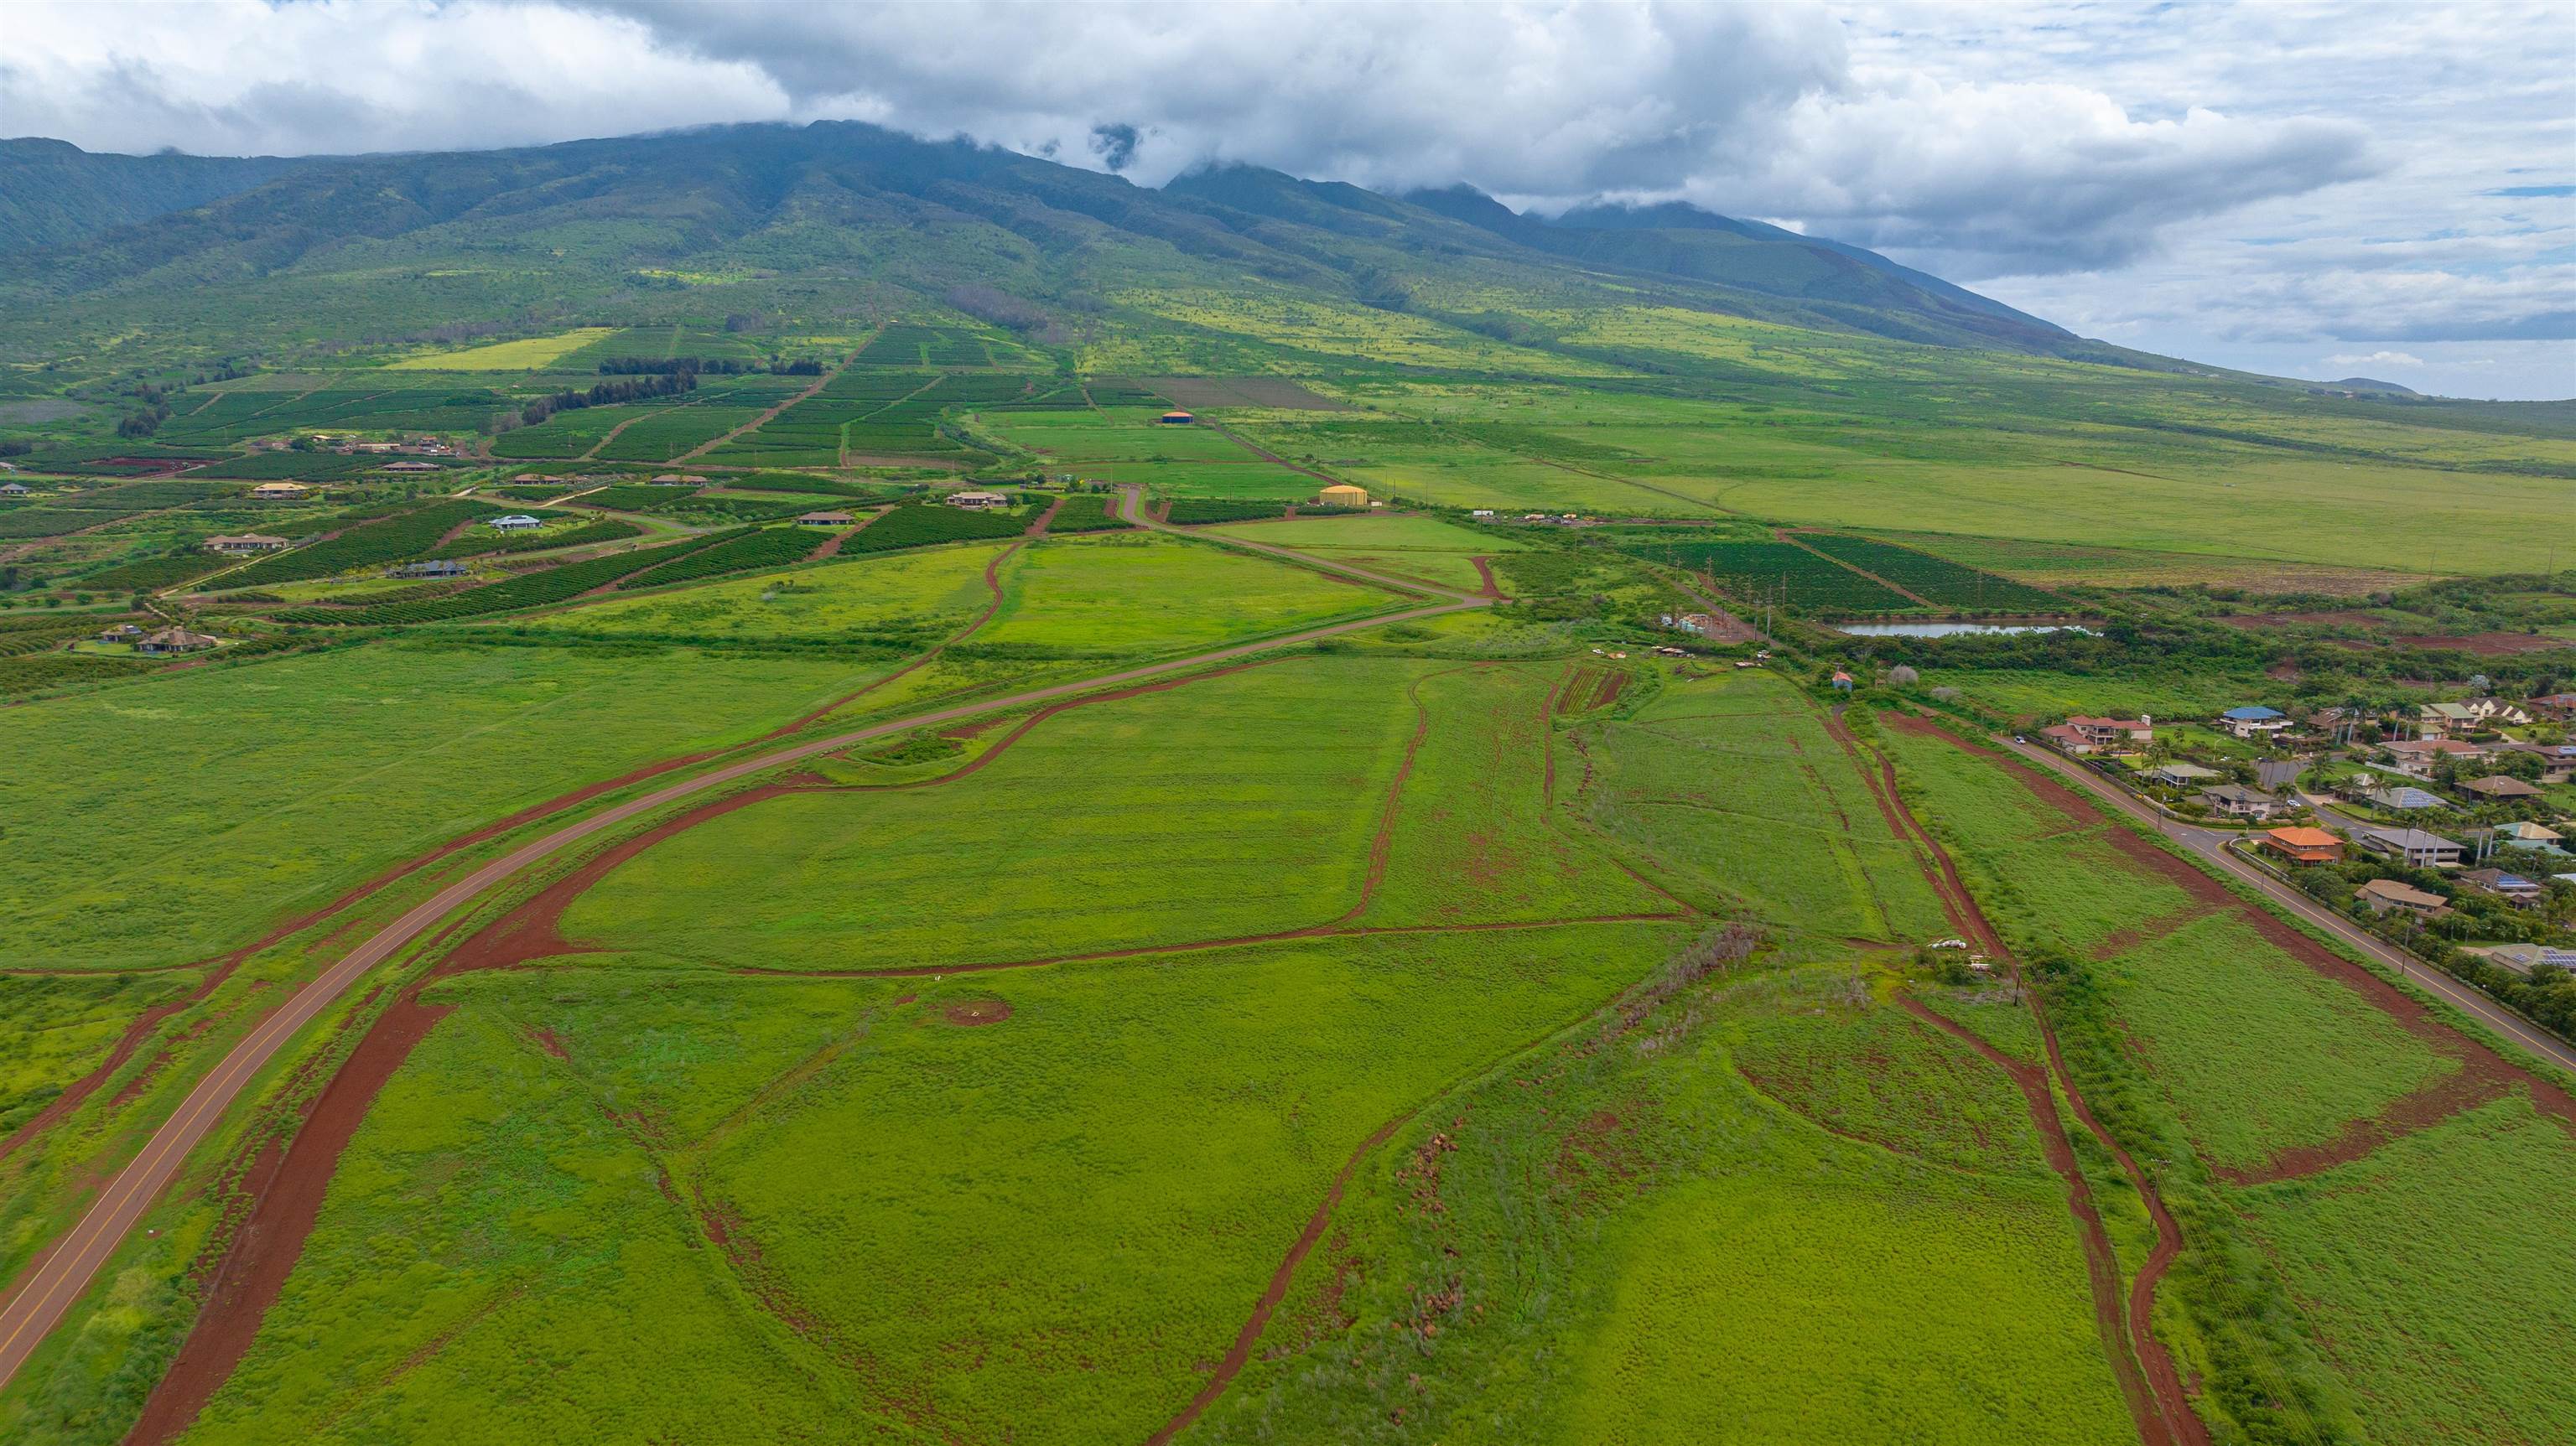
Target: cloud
x: 2375, y: 359
x: 2297, y: 172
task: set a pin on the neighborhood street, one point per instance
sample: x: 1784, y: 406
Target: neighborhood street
x: 2212, y: 845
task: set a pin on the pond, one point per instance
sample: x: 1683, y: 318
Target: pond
x: 1946, y: 630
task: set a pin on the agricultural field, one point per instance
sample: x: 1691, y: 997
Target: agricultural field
x: 530, y: 354
x: 285, y: 783
x: 2334, y: 1161
x: 1255, y: 974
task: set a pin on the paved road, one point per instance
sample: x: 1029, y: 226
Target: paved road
x: 58, y: 1278
x: 2212, y: 845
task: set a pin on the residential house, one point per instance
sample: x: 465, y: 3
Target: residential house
x: 1842, y: 681
x: 279, y: 491
x: 2180, y: 775
x: 2413, y: 847
x: 2557, y: 760
x: 437, y: 567
x: 2523, y: 958
x: 2561, y: 706
x: 2113, y: 732
x: 2496, y: 711
x: 978, y: 501
x: 14, y: 489
x: 2402, y: 800
x: 2383, y: 895
x: 121, y: 633
x: 824, y: 519
x: 2528, y: 836
x: 2444, y: 720
x: 2498, y: 788
x: 245, y: 543
x: 2237, y: 801
x: 408, y: 467
x: 2416, y: 758
x: 676, y: 479
x: 175, y: 640
x: 2304, y: 845
x: 2518, y: 891
x: 515, y: 522
x: 2254, y: 721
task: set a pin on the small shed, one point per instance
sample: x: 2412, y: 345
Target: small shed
x: 279, y: 491
x: 824, y: 519
x: 437, y: 567
x: 244, y: 543
x: 121, y: 633
x: 14, y: 489
x: 515, y: 522
x: 1342, y: 494
x: 1176, y: 419
x: 409, y: 467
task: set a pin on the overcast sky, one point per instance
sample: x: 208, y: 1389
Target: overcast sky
x: 2310, y: 189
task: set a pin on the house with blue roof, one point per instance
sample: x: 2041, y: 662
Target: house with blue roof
x: 2253, y: 721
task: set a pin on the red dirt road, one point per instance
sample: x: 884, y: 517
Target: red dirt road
x: 51, y: 1286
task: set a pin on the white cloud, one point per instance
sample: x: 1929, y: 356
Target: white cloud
x: 2179, y: 177
x: 2375, y: 359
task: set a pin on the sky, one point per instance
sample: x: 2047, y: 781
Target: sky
x: 2303, y: 188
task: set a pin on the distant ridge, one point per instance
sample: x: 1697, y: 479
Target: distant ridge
x: 483, y: 235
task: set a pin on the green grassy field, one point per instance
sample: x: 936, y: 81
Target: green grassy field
x: 1569, y: 990
x: 282, y: 784
x: 1732, y: 787
x: 2321, y: 1287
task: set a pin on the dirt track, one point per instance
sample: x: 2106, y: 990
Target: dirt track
x: 2149, y: 1380
x: 49, y: 1287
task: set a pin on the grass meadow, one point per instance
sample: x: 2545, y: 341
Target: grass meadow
x: 528, y: 354
x: 1145, y: 592
x: 275, y: 787
x: 1771, y: 1210
x: 2368, y: 1301
x: 1732, y: 787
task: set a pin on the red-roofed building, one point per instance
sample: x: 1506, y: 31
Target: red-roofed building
x: 2112, y: 732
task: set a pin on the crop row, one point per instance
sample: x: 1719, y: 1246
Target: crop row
x: 1085, y: 512
x: 605, y: 529
x: 1936, y: 579
x: 922, y: 524
x: 536, y: 589
x: 1188, y: 510
x: 660, y: 438
x: 1779, y: 571
x: 393, y: 539
x: 742, y: 551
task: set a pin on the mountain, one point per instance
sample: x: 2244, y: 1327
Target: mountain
x: 340, y: 249
x: 2367, y: 384
x: 55, y: 194
x: 1843, y: 284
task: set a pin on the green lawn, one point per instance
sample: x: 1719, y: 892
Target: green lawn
x: 1145, y: 592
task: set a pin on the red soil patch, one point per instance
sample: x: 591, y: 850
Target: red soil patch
x: 1038, y: 527
x: 2492, y: 645
x: 286, y: 1201
x: 2260, y: 622
x: 2465, y: 1090
x: 977, y: 1011
x: 1485, y: 571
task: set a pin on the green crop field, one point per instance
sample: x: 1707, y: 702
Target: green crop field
x: 1255, y: 974
x: 398, y: 746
